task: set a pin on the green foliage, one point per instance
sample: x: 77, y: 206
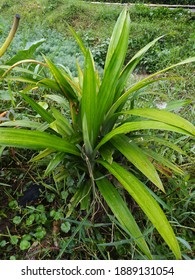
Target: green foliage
x: 95, y: 138
x: 166, y: 2
x: 24, y: 245
x: 146, y: 25
x: 166, y: 51
x: 17, y: 220
x: 65, y: 227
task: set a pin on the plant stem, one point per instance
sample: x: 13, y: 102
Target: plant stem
x: 11, y: 35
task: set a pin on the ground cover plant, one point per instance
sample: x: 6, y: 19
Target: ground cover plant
x: 90, y: 141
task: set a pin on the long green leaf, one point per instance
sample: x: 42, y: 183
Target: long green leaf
x: 135, y: 155
x: 42, y: 154
x: 62, y: 123
x: 80, y: 74
x: 114, y: 62
x: 39, y: 109
x: 143, y: 83
x: 163, y: 116
x: 147, y: 203
x: 165, y: 162
x: 125, y: 74
x: 80, y: 195
x: 116, y: 36
x: 36, y: 140
x: 62, y: 80
x: 78, y: 40
x: 139, y: 125
x: 122, y: 213
x: 86, y: 139
x: 89, y: 100
x: 176, y: 104
x: 186, y: 61
x: 49, y: 83
x: 28, y: 80
x: 54, y: 162
x: 15, y: 65
x: 135, y: 88
x: 20, y: 70
x: 22, y: 123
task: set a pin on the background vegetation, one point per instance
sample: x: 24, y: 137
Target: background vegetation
x: 27, y: 232
x: 167, y: 2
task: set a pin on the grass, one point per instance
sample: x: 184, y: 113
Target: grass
x: 35, y: 231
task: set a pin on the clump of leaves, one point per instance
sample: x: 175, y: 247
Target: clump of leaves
x: 96, y: 138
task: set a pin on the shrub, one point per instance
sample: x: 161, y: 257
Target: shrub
x: 96, y: 139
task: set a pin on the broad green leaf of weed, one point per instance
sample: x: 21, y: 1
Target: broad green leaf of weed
x: 26, y: 53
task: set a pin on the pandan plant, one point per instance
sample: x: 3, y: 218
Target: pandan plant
x: 99, y: 139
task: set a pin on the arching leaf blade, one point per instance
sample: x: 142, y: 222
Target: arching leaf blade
x: 36, y: 140
x: 89, y: 99
x: 136, y: 156
x: 39, y: 109
x: 147, y: 203
x: 128, y: 69
x: 163, y: 116
x: 140, y: 125
x: 122, y: 213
